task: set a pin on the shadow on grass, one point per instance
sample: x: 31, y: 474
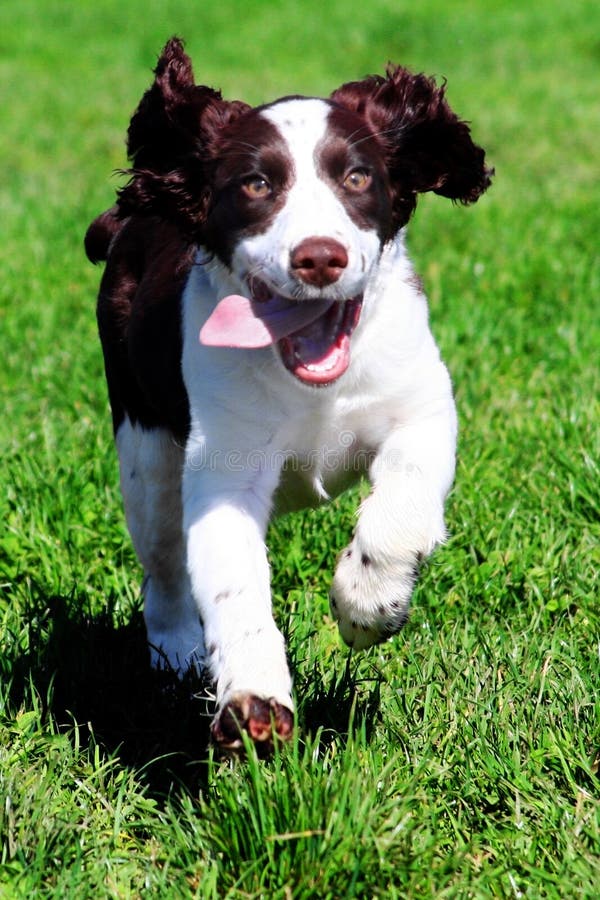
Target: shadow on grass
x: 340, y: 704
x: 90, y: 671
x: 86, y: 669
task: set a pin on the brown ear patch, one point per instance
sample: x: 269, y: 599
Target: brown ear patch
x: 169, y: 142
x: 426, y: 146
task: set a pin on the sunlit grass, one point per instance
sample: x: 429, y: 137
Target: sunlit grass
x: 460, y: 759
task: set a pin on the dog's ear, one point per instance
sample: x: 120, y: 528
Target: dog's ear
x: 169, y: 142
x: 426, y: 146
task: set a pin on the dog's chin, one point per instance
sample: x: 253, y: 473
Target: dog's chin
x: 319, y: 353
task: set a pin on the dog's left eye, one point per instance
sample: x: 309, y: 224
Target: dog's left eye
x: 358, y: 180
x: 256, y: 187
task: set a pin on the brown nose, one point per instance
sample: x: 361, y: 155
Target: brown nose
x: 319, y: 260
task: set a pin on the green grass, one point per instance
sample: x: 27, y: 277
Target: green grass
x: 459, y: 760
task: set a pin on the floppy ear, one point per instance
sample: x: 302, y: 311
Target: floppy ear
x: 427, y: 147
x: 169, y: 142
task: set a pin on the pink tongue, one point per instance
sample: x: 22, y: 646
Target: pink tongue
x: 237, y: 321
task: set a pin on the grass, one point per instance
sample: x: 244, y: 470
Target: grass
x: 459, y: 760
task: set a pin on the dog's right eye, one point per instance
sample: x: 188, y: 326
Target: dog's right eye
x: 256, y: 187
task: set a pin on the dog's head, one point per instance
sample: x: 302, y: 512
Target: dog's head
x: 296, y: 198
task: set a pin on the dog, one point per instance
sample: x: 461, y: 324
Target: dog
x: 265, y: 341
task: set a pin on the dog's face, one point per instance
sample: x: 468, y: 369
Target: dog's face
x: 290, y: 171
x: 300, y: 207
x: 296, y: 199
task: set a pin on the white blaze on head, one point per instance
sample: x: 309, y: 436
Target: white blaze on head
x: 311, y: 207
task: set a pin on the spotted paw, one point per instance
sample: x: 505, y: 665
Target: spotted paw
x: 265, y: 721
x: 361, y: 635
x: 370, y: 596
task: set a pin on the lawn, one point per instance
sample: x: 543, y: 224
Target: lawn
x: 461, y: 759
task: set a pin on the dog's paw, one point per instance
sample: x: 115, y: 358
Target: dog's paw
x: 370, y: 596
x: 264, y: 720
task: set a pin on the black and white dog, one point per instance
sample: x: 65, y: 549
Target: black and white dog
x: 265, y: 338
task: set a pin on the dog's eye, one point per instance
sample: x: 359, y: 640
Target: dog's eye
x: 256, y: 187
x: 358, y: 180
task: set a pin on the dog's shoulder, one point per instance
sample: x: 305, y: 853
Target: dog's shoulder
x: 139, y: 314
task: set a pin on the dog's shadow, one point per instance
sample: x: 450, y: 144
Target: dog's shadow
x: 89, y: 671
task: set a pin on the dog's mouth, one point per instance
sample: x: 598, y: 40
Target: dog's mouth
x: 312, y: 336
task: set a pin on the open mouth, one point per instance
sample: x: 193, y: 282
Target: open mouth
x: 312, y: 336
x: 320, y: 352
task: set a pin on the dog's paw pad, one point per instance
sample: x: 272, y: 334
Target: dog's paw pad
x: 263, y: 720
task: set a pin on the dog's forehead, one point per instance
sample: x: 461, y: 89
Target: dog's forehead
x: 302, y: 123
x: 308, y: 124
x: 281, y: 129
x: 292, y: 128
x: 283, y: 134
x: 315, y: 128
x: 300, y: 120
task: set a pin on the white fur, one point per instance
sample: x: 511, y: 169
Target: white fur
x: 250, y: 416
x: 150, y: 473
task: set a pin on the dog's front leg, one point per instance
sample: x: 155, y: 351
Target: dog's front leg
x: 227, y: 561
x: 400, y: 523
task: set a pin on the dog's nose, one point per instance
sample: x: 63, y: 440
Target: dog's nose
x: 319, y: 260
